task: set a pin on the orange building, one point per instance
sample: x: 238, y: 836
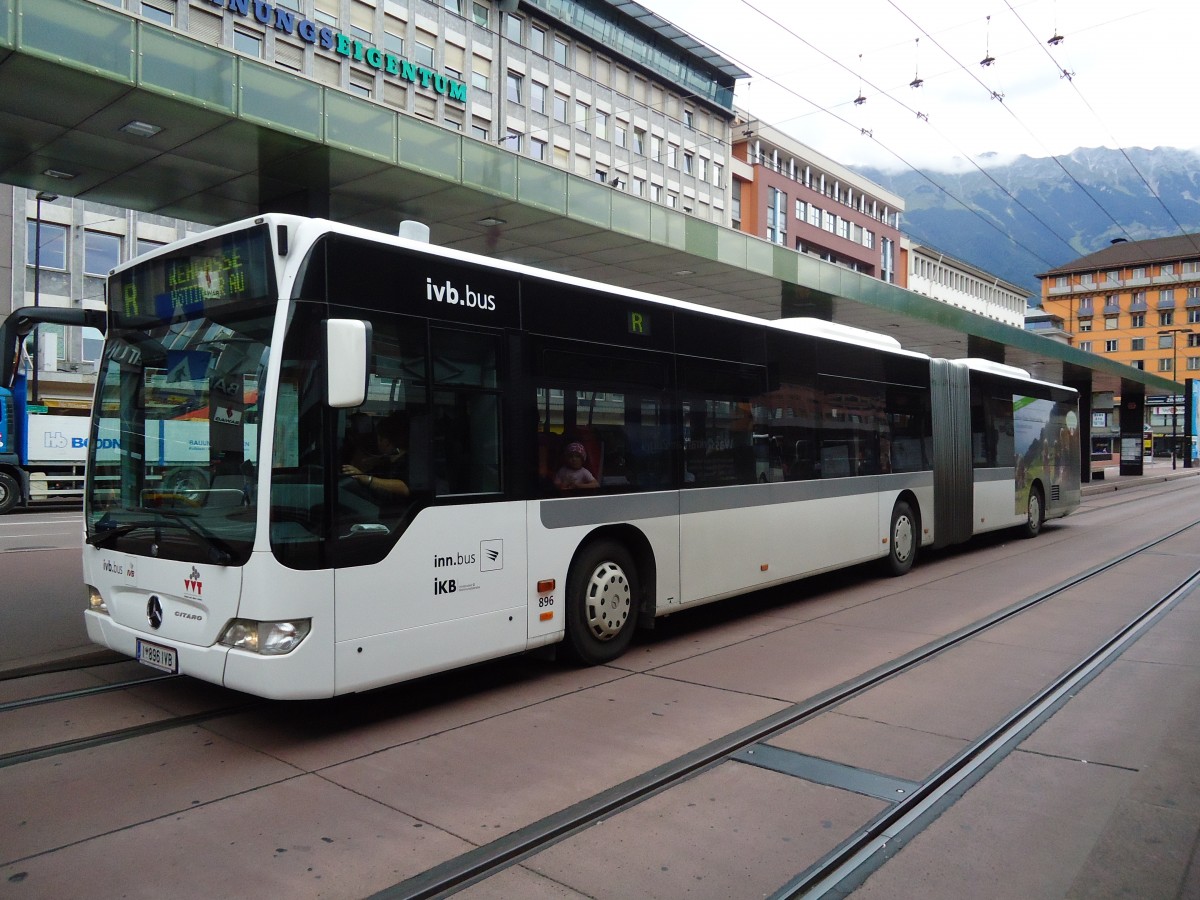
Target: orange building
x: 1137, y: 302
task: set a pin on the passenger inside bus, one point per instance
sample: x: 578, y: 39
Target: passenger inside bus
x: 573, y: 476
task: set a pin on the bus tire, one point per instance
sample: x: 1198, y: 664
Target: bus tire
x: 10, y: 492
x: 602, y: 601
x: 1035, y: 513
x: 903, y: 539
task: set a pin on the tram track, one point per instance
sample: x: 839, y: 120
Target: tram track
x: 89, y: 742
x: 75, y: 694
x: 866, y: 845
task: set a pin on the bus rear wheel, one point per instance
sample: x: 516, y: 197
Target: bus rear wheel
x: 1035, y: 514
x: 902, y: 539
x: 602, y: 597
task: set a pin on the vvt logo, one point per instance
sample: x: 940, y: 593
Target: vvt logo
x: 192, y: 584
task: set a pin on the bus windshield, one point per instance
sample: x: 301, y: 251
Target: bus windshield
x: 174, y: 445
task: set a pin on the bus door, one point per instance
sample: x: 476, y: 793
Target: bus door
x: 726, y: 512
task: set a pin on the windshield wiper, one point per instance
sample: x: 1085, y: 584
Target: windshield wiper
x: 219, y: 551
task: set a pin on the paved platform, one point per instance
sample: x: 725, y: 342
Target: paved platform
x: 1102, y: 801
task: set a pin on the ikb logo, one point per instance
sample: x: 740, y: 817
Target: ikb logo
x: 491, y: 555
x: 54, y: 440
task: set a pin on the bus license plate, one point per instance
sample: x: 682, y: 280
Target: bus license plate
x: 161, y: 658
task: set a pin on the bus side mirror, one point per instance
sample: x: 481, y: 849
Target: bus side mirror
x: 347, y: 361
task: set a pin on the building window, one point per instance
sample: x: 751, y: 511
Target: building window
x: 1164, y: 365
x: 1193, y: 340
x: 247, y: 42
x: 1085, y: 346
x: 1166, y: 318
x: 1193, y: 363
x: 1111, y: 346
x: 512, y: 141
x: 1137, y: 320
x: 602, y: 125
x: 639, y: 187
x: 423, y: 55
x: 479, y: 13
x: 1138, y: 364
x: 54, y: 245
x: 718, y: 175
x: 101, y: 252
x: 672, y: 156
x: 639, y: 141
x: 560, y: 108
x: 1111, y: 322
x: 162, y: 12
x: 537, y: 40
x: 1165, y: 342
x: 777, y: 215
x: 689, y: 163
x: 1137, y: 344
x: 582, y: 114
x: 560, y: 51
x: 93, y: 344
x: 513, y: 83
x: 1085, y: 324
x: 537, y: 97
x: 512, y: 28
x: 455, y: 6
x: 537, y: 149
x: 620, y: 134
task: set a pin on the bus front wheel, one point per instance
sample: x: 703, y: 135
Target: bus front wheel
x: 602, y: 597
x: 902, y: 539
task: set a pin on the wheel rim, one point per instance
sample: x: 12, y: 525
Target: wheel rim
x: 902, y: 538
x: 1035, y: 510
x: 608, y: 601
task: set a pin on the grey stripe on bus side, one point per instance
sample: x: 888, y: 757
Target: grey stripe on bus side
x: 576, y: 511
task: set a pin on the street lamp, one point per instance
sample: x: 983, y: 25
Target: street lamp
x: 37, y: 279
x: 1174, y: 377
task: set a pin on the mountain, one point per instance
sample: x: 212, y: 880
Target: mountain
x: 1031, y: 215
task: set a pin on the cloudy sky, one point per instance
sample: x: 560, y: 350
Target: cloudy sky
x: 1131, y: 67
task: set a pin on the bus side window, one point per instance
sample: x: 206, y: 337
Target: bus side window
x: 466, y: 413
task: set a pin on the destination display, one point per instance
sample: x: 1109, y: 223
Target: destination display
x: 195, y: 280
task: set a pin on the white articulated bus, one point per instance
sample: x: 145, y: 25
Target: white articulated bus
x: 326, y: 459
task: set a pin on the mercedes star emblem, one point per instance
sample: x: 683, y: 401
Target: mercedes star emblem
x: 154, y: 613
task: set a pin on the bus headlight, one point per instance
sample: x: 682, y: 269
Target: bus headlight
x: 96, y: 602
x: 265, y: 638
